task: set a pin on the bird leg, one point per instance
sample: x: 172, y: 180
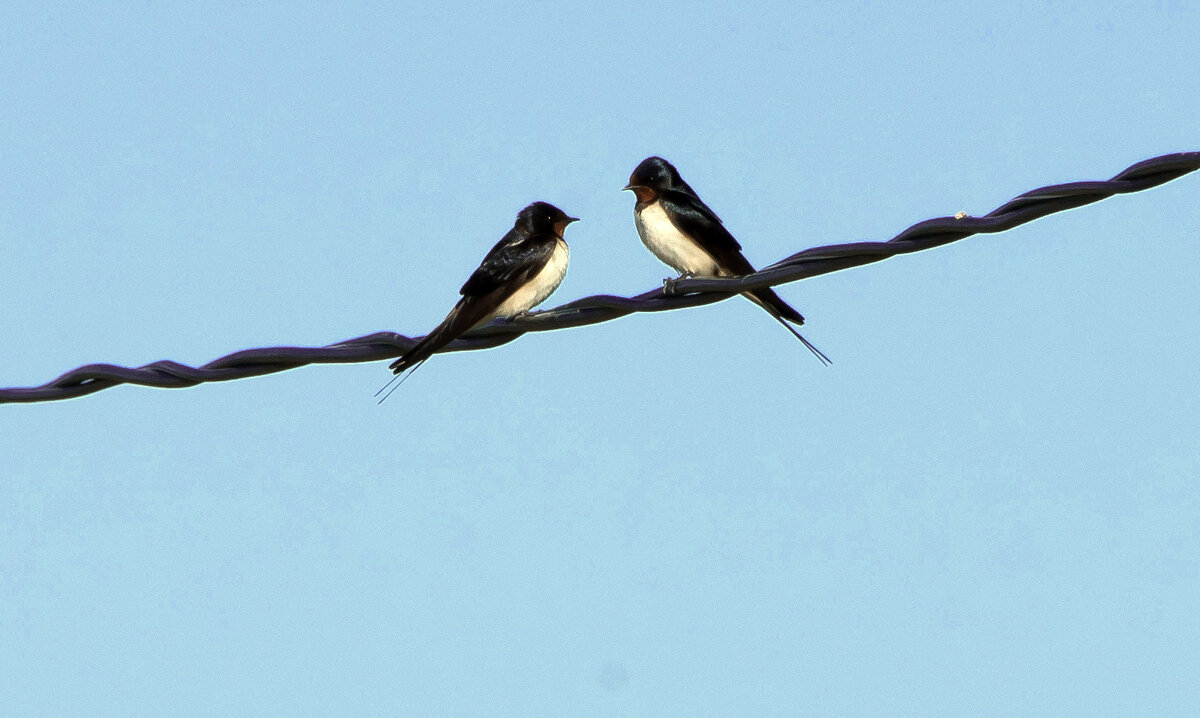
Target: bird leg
x: 669, y: 283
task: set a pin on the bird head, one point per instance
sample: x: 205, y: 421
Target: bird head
x: 651, y: 177
x: 541, y: 217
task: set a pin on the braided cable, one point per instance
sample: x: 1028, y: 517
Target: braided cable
x: 602, y: 307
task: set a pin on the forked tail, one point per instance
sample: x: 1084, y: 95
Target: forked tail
x: 782, y: 312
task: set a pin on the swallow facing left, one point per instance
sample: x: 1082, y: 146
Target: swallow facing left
x: 517, y: 274
x: 685, y: 234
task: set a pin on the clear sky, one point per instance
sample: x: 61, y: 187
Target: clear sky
x: 988, y: 505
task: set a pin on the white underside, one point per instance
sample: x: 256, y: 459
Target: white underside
x: 535, y: 291
x: 673, y: 247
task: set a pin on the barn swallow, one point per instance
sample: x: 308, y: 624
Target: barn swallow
x: 524, y: 268
x: 689, y: 237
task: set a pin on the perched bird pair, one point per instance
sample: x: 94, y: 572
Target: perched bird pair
x: 529, y: 262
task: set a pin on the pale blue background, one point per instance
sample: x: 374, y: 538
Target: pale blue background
x: 988, y: 505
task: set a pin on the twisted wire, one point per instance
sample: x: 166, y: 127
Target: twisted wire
x: 602, y: 307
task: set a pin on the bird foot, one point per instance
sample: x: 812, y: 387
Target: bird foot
x: 669, y: 283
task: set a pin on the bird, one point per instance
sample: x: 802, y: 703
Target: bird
x: 676, y: 225
x: 517, y: 274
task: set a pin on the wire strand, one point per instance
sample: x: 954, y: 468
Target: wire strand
x: 812, y: 262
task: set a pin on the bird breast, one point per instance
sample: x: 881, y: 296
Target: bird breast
x: 673, y: 247
x: 535, y: 291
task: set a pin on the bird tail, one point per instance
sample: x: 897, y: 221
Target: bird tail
x: 397, y: 380
x: 769, y: 300
x: 782, y: 312
x: 422, y: 350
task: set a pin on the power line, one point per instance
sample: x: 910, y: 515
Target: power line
x: 602, y: 308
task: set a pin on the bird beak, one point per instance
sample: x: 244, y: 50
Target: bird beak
x: 561, y: 227
x: 644, y: 193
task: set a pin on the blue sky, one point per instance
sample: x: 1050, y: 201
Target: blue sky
x: 987, y: 505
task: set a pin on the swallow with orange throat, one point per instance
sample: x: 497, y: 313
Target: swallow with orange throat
x: 676, y: 225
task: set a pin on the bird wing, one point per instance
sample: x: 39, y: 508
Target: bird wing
x: 695, y: 219
x: 514, y: 260
x: 515, y: 257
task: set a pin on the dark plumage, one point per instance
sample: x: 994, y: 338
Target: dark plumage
x: 682, y: 231
x: 517, y: 274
